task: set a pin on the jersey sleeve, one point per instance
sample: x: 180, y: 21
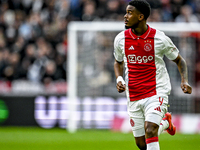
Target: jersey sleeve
x: 118, y: 48
x: 171, y: 51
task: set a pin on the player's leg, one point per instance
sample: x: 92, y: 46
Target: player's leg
x: 140, y: 142
x: 166, y: 123
x: 151, y: 131
x: 163, y: 126
x: 137, y: 123
x: 155, y: 108
x: 139, y: 135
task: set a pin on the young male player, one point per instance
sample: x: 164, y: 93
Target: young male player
x: 141, y: 49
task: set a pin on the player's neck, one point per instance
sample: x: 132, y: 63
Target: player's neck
x: 140, y: 29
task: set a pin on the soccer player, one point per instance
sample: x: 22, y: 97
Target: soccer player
x: 141, y: 49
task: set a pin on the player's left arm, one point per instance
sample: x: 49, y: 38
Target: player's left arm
x: 182, y: 67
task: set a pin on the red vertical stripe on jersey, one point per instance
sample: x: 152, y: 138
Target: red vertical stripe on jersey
x: 140, y: 56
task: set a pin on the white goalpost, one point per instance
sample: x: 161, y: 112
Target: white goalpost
x: 87, y: 48
x: 73, y: 29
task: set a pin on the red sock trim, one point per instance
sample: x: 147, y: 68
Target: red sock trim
x: 151, y: 140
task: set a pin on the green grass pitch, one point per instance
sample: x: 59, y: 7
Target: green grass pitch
x: 31, y: 138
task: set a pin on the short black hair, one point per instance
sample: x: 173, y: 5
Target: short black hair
x: 143, y: 6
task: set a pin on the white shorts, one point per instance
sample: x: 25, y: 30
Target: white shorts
x: 151, y: 109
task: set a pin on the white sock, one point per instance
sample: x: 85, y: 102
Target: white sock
x: 163, y: 126
x: 152, y: 143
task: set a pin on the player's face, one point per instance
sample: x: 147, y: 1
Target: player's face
x: 132, y: 17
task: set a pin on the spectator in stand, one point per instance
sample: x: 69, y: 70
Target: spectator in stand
x: 114, y: 11
x: 27, y: 60
x: 52, y: 73
x: 89, y: 11
x: 186, y: 15
x: 36, y: 71
x: 62, y: 7
x: 195, y: 4
x: 176, y: 6
x: 155, y: 16
x: 155, y: 4
x: 2, y: 38
x: 11, y: 71
x: 36, y: 25
x: 3, y: 61
x: 166, y: 11
x: 100, y: 10
x: 18, y: 45
x: 76, y: 9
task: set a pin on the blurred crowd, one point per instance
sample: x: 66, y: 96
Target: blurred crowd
x: 162, y: 10
x: 33, y: 40
x: 33, y: 33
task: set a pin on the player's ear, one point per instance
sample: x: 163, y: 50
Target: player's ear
x: 141, y: 17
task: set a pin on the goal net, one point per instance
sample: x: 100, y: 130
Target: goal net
x: 91, y: 79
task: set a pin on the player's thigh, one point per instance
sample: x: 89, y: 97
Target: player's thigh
x: 155, y: 109
x: 138, y: 132
x: 137, y: 118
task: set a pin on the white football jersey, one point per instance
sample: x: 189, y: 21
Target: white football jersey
x: 146, y: 74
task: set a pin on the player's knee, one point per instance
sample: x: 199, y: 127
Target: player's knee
x: 151, y: 130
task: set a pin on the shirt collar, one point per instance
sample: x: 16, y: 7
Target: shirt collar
x: 144, y: 36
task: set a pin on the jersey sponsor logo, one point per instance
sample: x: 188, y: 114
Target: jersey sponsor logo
x: 147, y: 47
x: 131, y: 48
x: 139, y: 59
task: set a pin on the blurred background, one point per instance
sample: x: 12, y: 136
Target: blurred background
x: 34, y: 63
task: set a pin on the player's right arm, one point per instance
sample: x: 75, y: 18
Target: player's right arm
x: 119, y: 63
x: 118, y: 68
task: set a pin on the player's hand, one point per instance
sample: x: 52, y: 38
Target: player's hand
x: 120, y: 87
x: 186, y: 88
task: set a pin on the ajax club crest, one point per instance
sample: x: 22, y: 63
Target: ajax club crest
x: 147, y: 47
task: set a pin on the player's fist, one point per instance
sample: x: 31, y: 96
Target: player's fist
x: 120, y: 87
x: 186, y: 88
